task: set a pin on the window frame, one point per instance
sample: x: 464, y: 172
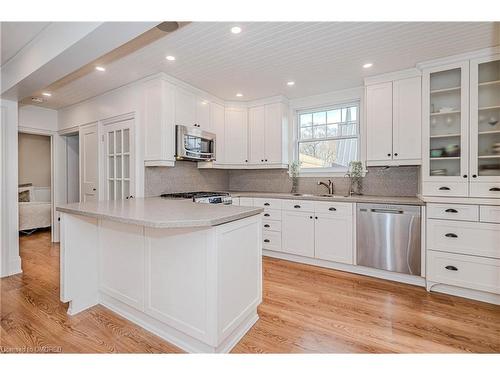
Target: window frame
x: 327, y: 171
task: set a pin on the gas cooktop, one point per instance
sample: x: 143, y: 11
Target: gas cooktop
x: 201, y: 196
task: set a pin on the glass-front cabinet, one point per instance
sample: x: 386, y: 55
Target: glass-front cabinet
x: 485, y: 126
x: 445, y: 129
x: 461, y: 129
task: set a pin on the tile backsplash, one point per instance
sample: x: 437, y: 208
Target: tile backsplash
x: 394, y: 181
x: 185, y: 176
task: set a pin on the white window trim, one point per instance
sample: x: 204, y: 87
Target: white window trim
x: 327, y: 172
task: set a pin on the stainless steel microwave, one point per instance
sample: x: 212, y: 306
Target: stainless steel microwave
x: 194, y: 144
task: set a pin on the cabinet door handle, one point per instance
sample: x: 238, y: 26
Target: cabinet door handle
x: 465, y: 176
x: 316, y: 217
x: 266, y: 240
x: 266, y: 215
x: 474, y: 175
x: 296, y: 206
x: 451, y: 235
x: 395, y: 154
x: 332, y: 209
x: 266, y: 204
x: 444, y: 188
x: 388, y: 154
x: 310, y: 217
x: 451, y: 268
x: 451, y: 210
x: 494, y: 189
x: 266, y: 225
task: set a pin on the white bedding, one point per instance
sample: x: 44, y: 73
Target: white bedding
x: 36, y: 213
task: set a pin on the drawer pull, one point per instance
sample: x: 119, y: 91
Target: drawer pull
x: 266, y: 204
x: 332, y: 209
x: 266, y: 240
x: 494, y: 189
x: 444, y: 188
x: 451, y: 235
x: 451, y: 210
x: 451, y: 268
x: 296, y: 206
x: 267, y: 215
x: 266, y: 225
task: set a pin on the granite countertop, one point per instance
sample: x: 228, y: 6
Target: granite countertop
x: 161, y: 213
x: 334, y: 198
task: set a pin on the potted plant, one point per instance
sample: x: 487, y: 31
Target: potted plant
x: 293, y: 171
x: 355, y: 175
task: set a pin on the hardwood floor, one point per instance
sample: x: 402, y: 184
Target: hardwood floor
x: 305, y: 309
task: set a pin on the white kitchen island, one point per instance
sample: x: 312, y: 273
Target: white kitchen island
x: 189, y: 272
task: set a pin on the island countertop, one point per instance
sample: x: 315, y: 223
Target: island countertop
x: 161, y: 213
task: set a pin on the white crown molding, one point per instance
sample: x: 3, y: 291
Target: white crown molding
x: 393, y: 76
x: 461, y: 57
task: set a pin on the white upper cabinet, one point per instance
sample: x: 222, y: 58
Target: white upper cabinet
x: 393, y: 122
x: 159, y: 123
x: 461, y: 132
x: 185, y: 107
x: 256, y: 134
x: 379, y: 122
x: 268, y: 136
x: 484, y: 143
x: 203, y: 114
x: 192, y: 110
x: 407, y: 119
x: 235, y: 137
x: 217, y: 121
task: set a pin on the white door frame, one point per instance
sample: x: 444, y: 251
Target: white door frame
x: 53, y: 170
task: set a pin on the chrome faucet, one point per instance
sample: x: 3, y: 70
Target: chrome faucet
x: 328, y: 185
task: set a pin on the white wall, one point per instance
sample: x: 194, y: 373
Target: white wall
x: 9, y: 251
x: 38, y: 118
x: 34, y: 162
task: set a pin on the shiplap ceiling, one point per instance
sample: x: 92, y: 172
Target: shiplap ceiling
x: 15, y: 35
x: 319, y: 57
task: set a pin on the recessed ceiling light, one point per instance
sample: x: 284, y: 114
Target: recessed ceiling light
x: 367, y: 65
x: 239, y: 95
x: 37, y: 100
x: 236, y: 29
x: 170, y: 58
x: 290, y: 83
x: 100, y: 68
x: 46, y: 94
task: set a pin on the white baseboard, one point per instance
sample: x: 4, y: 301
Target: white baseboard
x: 361, y: 270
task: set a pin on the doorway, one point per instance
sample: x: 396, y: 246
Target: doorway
x: 34, y: 183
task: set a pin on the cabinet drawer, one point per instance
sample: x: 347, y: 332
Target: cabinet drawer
x: 271, y: 240
x: 272, y: 225
x: 453, y: 211
x: 480, y: 239
x: 464, y: 271
x: 446, y: 189
x: 272, y: 214
x: 485, y: 189
x: 339, y: 209
x: 298, y: 205
x: 489, y: 214
x: 267, y: 203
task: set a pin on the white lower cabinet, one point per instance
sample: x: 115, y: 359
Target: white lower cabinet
x: 462, y: 249
x: 298, y: 233
x: 333, y: 238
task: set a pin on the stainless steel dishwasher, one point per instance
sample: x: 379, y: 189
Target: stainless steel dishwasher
x: 388, y: 237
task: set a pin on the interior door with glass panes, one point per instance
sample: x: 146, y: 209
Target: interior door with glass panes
x: 445, y: 130
x: 485, y: 124
x: 119, y: 153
